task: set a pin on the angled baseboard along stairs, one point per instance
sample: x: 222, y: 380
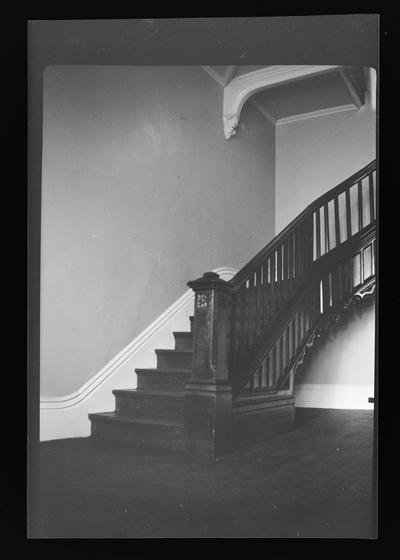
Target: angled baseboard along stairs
x: 229, y: 379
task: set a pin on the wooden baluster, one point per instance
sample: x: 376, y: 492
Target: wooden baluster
x: 294, y: 257
x: 251, y: 384
x: 293, y: 338
x: 251, y: 293
x: 286, y: 268
x: 326, y: 222
x: 308, y: 256
x: 271, y: 287
x: 278, y: 273
x: 280, y: 371
x: 258, y: 305
x: 348, y: 214
x: 232, y: 346
x: 299, y: 328
x: 371, y: 197
x: 337, y: 223
x: 290, y: 264
x: 360, y: 206
x: 260, y: 377
x: 274, y: 365
x: 318, y: 232
x: 287, y: 352
x: 242, y: 329
x: 263, y: 295
x: 264, y: 379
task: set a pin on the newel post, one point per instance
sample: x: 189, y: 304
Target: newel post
x: 208, y: 395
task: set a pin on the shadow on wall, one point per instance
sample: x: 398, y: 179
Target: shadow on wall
x: 339, y: 371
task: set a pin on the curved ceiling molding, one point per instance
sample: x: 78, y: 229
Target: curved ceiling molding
x: 242, y: 87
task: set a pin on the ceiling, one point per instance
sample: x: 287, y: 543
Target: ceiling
x: 337, y: 88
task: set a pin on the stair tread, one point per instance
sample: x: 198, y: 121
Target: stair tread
x: 164, y: 370
x: 172, y: 351
x: 125, y: 419
x: 148, y: 393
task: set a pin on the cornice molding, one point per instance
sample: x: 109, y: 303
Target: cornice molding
x: 242, y: 87
x: 314, y: 114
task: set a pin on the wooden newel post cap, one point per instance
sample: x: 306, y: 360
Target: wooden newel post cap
x: 209, y: 280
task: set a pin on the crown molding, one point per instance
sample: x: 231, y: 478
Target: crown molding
x: 241, y: 88
x: 314, y: 114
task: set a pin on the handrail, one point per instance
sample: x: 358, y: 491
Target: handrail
x: 242, y: 275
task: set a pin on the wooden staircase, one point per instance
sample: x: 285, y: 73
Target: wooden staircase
x: 229, y: 380
x: 152, y: 414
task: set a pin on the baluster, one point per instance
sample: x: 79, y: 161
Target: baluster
x: 278, y: 275
x: 267, y: 372
x: 337, y: 223
x: 299, y: 328
x: 360, y: 206
x: 274, y: 365
x: 371, y: 197
x: 272, y: 293
x: 287, y: 352
x: 290, y: 264
x: 251, y: 384
x: 252, y: 308
x: 298, y: 256
x: 348, y: 214
x: 326, y: 222
x: 308, y: 252
x: 318, y: 232
x: 233, y: 349
x: 280, y: 357
x: 293, y: 338
x: 285, y: 271
x: 263, y: 295
x: 264, y: 375
x: 243, y: 327
x: 258, y: 301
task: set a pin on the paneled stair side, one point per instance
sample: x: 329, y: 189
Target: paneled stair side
x: 151, y: 414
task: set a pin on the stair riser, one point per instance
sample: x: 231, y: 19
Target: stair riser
x: 183, y: 342
x: 175, y: 360
x: 147, y: 407
x: 171, y: 438
x: 162, y: 382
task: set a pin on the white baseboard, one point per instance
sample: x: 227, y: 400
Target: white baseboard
x: 67, y: 416
x: 324, y: 395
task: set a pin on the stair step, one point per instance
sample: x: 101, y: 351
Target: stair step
x: 183, y: 340
x: 159, y: 379
x: 108, y: 426
x: 161, y: 405
x: 174, y: 358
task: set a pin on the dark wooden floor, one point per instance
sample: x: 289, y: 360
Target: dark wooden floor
x: 312, y: 482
